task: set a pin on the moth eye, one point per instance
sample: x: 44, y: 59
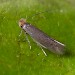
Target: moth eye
x: 21, y: 26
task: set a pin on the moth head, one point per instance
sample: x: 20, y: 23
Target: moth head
x: 22, y: 22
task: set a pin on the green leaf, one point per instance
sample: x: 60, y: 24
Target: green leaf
x: 54, y: 17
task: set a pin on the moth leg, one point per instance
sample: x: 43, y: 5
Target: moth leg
x: 40, y: 46
x: 42, y: 49
x: 28, y: 40
x: 21, y: 32
x: 20, y: 35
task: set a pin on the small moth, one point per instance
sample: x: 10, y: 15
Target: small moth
x: 42, y: 39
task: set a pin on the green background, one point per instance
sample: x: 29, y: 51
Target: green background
x: 57, y: 20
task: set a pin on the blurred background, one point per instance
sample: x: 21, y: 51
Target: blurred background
x: 54, y: 17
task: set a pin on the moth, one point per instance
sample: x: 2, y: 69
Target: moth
x: 41, y: 38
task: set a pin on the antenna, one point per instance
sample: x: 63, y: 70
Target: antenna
x: 41, y: 13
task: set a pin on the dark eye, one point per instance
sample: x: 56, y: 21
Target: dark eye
x: 21, y: 26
